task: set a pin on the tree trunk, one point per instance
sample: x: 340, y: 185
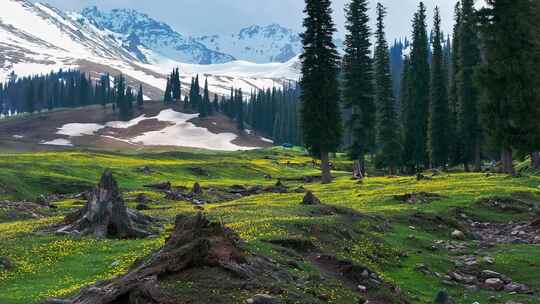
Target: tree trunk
x: 535, y: 160
x: 325, y: 168
x: 477, y: 158
x: 467, y: 168
x: 507, y: 161
x: 357, y: 170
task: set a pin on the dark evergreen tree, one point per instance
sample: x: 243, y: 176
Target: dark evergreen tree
x: 168, y: 98
x: 418, y: 109
x: 215, y: 104
x: 389, y: 129
x: 176, y: 89
x: 509, y: 76
x: 122, y: 99
x: 358, y: 82
x: 455, y: 143
x: 30, y: 98
x: 439, y: 139
x: 469, y: 59
x: 321, y: 120
x: 240, y: 110
x: 204, y: 106
x: 396, y: 64
x: 140, y: 97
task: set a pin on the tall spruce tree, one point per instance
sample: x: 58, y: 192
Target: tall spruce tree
x: 509, y: 76
x: 416, y: 134
x: 439, y: 117
x: 167, y: 99
x: 204, y: 106
x: 389, y: 128
x: 469, y: 59
x: 140, y: 97
x: 358, y: 82
x: 176, y: 89
x: 321, y: 115
x: 455, y: 144
x: 240, y: 110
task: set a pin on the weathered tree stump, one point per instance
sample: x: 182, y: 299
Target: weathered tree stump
x: 310, y: 199
x: 105, y: 215
x: 194, y: 242
x: 197, y: 190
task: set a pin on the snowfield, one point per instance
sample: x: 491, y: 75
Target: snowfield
x: 181, y: 133
x: 186, y: 134
x: 79, y: 129
x: 58, y: 142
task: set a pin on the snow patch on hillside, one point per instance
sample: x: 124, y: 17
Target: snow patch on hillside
x: 186, y: 134
x: 182, y: 133
x: 58, y: 142
x: 79, y: 129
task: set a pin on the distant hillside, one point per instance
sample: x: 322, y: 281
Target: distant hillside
x: 153, y: 127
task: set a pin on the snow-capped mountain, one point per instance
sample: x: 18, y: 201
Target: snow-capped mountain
x: 139, y: 30
x: 37, y: 38
x: 260, y: 44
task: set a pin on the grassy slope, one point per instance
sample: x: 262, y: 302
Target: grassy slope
x: 48, y: 265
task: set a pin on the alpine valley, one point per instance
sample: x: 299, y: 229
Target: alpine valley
x: 37, y: 38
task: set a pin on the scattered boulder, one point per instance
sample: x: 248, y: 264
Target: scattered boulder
x: 175, y: 196
x: 443, y: 297
x: 6, y: 263
x: 263, y: 299
x: 165, y: 186
x: 458, y: 235
x: 535, y: 223
x: 488, y: 274
x: 310, y: 199
x: 105, y: 215
x: 494, y: 283
x: 515, y: 287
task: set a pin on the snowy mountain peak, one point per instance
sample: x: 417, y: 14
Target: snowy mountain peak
x: 260, y: 44
x: 154, y: 35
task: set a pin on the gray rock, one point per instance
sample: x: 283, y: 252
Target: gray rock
x: 443, y: 298
x: 515, y: 287
x: 5, y: 263
x: 489, y: 274
x: 458, y: 235
x: 494, y: 283
x: 263, y: 299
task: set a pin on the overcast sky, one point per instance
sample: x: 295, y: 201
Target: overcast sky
x: 224, y: 16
